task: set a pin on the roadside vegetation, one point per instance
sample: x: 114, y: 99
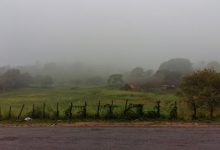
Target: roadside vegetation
x: 175, y: 91
x: 78, y: 96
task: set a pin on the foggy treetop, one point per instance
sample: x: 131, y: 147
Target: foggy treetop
x: 115, y: 32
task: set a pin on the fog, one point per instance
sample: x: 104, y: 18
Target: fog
x: 124, y: 33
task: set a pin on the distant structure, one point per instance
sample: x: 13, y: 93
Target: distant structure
x: 131, y: 87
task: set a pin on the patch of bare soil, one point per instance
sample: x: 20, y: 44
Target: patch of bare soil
x: 147, y: 124
x: 140, y: 124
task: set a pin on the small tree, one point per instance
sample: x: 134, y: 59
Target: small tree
x: 115, y: 79
x: 13, y: 79
x: 202, y: 88
x: 137, y: 72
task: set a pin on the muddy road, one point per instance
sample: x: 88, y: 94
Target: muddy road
x: 109, y: 138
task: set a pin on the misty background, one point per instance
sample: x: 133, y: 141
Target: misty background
x: 107, y: 35
x: 122, y: 32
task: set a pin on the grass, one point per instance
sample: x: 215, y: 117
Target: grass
x: 92, y: 95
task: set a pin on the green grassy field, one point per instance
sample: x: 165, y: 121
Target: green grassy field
x: 92, y: 95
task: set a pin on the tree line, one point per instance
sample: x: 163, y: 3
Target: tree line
x: 14, y: 79
x: 202, y: 89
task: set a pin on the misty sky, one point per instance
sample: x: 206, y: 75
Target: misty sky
x: 129, y: 32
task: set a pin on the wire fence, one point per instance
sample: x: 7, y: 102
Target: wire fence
x: 59, y: 111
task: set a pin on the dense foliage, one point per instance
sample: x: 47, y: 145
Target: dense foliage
x: 180, y: 65
x: 202, y: 88
x: 13, y: 79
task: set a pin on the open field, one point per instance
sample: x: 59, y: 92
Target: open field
x: 78, y: 95
x: 91, y: 95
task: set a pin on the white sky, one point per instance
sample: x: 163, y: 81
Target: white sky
x: 125, y: 32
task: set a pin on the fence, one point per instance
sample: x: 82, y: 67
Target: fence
x: 100, y: 111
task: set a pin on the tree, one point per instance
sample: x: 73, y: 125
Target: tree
x: 13, y: 79
x: 137, y: 72
x: 180, y: 65
x: 172, y: 71
x: 135, y: 75
x: 138, y: 75
x: 202, y: 88
x: 10, y: 79
x: 169, y: 77
x: 115, y: 79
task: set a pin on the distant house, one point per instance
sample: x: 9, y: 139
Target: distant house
x: 131, y: 87
x: 168, y: 86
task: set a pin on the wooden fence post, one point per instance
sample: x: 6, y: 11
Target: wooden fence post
x: 70, y: 113
x: 111, y: 110
x: 126, y: 107
x: 0, y: 112
x: 85, y: 110
x: 98, y: 110
x: 22, y: 108
x: 158, y: 108
x: 44, y: 106
x: 173, y: 112
x: 33, y: 111
x: 9, y: 113
x: 57, y: 113
x: 141, y: 111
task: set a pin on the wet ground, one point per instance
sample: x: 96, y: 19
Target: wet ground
x: 109, y: 138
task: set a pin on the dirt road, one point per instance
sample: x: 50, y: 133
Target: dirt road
x: 109, y: 138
